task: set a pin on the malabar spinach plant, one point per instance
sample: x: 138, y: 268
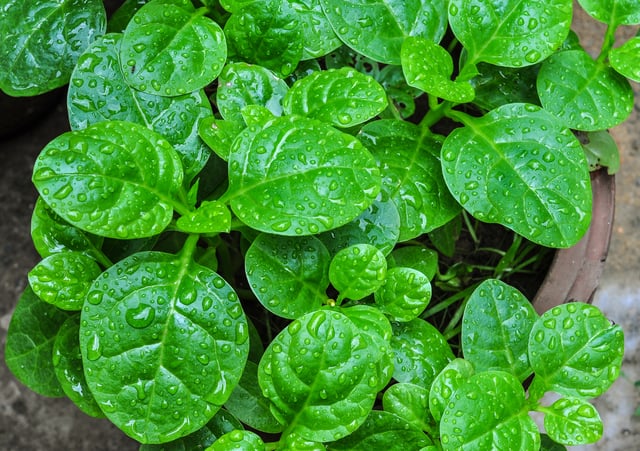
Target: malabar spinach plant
x: 243, y: 231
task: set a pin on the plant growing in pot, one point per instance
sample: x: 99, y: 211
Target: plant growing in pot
x: 242, y: 234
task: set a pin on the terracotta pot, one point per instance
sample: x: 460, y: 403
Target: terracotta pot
x: 574, y: 274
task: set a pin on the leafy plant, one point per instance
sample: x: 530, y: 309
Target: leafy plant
x: 258, y: 202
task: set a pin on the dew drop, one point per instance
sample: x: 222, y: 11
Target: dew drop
x: 94, y: 348
x: 140, y: 316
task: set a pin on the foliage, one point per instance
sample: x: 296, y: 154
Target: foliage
x: 258, y: 201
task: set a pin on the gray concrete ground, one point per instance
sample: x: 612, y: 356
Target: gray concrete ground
x: 29, y: 422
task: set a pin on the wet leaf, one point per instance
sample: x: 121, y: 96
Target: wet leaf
x: 357, y: 271
x: 210, y: 217
x: 601, y: 150
x: 318, y: 36
x: 520, y: 167
x: 626, y: 59
x: 162, y: 336
x: 417, y: 257
x: 219, y: 134
x: 169, y: 48
x: 341, y: 97
x: 114, y: 179
x: 495, y: 85
x: 377, y: 28
x: 497, y: 307
x: 238, y: 440
x: 288, y: 275
x: 584, y: 94
x: 405, y: 294
x: 298, y: 176
x: 446, y: 384
x: 120, y: 18
x: 41, y: 42
x: 613, y: 12
x: 510, y: 33
x: 576, y: 351
x: 573, y: 421
x: 410, y: 402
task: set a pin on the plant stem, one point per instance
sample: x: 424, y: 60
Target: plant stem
x: 607, y: 43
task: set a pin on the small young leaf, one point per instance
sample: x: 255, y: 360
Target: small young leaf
x: 41, y: 42
x: 446, y: 383
x: 114, y: 179
x: 288, y: 275
x: 150, y: 344
x: 410, y: 402
x: 242, y: 84
x: 503, y: 310
x: 511, y: 33
x: 238, y: 440
x: 67, y: 364
x: 334, y: 177
x: 626, y: 59
x: 170, y: 48
x: 487, y: 412
x: 613, y: 12
x: 219, y: 134
x: 357, y: 271
x: 445, y: 237
x: 417, y: 257
x: 521, y: 167
x: 377, y: 28
x: 584, y: 94
x: 574, y: 350
x: 573, y: 421
x: 209, y: 217
x: 420, y: 352
x: 29, y: 347
x: 601, y: 150
x: 341, y: 97
x: 429, y: 67
x: 405, y: 294
x: 63, y: 279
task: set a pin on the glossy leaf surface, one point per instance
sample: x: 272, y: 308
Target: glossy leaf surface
x: 576, y: 351
x: 237, y: 440
x: 573, y: 421
x: 288, y: 275
x: 342, y: 97
x: 446, y: 384
x: 487, y: 413
x: 417, y: 257
x: 510, y: 33
x: 377, y: 28
x: 410, y: 402
x: 219, y: 134
x: 613, y: 12
x: 114, y: 179
x: 98, y: 92
x: 411, y: 175
x: 357, y: 271
x: 497, y: 307
x: 170, y: 48
x: 495, y: 86
x: 210, y: 217
x: 41, y: 42
x: 584, y: 94
x: 318, y: 36
x: 626, y: 59
x: 162, y: 336
x: 297, y: 176
x: 405, y: 294
x: 520, y: 167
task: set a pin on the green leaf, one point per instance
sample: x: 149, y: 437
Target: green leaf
x: 573, y: 421
x: 357, y: 271
x: 487, y: 412
x: 420, y: 352
x: 219, y: 134
x: 249, y: 405
x: 242, y: 84
x: 162, y: 338
x: 503, y: 310
x: 318, y: 36
x: 613, y: 12
x: 170, y: 48
x: 601, y: 150
x: 322, y: 374
x: 520, y: 167
x: 429, y: 67
x: 405, y: 294
x: 511, y: 33
x: 121, y: 16
x: 445, y: 237
x: 410, y: 402
x: 626, y: 59
x: 342, y: 97
x: 334, y: 176
x: 41, y: 42
x: 495, y: 86
x: 446, y: 384
x: 574, y: 350
x: 268, y: 33
x: 584, y: 94
x: 238, y: 440
x: 114, y: 179
x: 547, y: 444
x: 63, y: 279
x: 288, y: 275
x: 417, y: 257
x: 210, y: 217
x: 377, y: 28
x: 29, y: 347
x: 98, y: 92
x: 67, y: 364
x: 411, y: 175
x: 383, y: 430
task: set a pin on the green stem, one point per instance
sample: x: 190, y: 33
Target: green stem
x: 189, y: 247
x: 435, y: 113
x: 607, y: 43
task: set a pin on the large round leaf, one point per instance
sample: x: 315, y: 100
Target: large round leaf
x: 520, y: 167
x: 298, y: 176
x: 510, y: 33
x: 377, y: 28
x: 164, y: 341
x: 170, y: 48
x: 114, y: 179
x: 404, y: 295
x: 42, y: 40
